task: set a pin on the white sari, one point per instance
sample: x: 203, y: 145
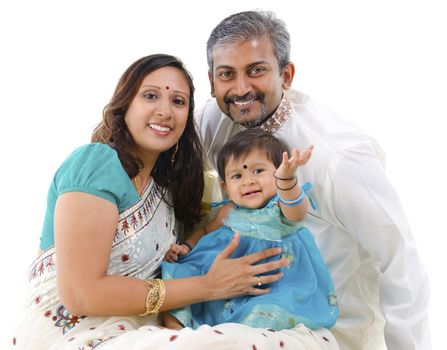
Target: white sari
x: 144, y: 233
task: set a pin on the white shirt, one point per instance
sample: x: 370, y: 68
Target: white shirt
x: 359, y: 224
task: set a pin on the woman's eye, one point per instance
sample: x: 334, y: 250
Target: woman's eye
x: 150, y: 96
x: 179, y: 101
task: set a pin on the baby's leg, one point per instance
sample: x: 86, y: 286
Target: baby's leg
x: 170, y: 321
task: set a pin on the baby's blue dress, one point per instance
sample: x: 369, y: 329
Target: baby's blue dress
x: 304, y: 295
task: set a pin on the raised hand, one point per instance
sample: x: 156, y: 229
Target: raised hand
x: 289, y: 166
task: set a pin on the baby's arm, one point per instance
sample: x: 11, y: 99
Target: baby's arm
x: 170, y: 321
x: 293, y: 202
x: 177, y: 250
x: 213, y: 225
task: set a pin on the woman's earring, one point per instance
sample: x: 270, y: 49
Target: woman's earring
x: 173, y: 155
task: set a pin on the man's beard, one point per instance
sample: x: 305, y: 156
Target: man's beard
x: 248, y: 97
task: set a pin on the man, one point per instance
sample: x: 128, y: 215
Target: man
x: 357, y: 220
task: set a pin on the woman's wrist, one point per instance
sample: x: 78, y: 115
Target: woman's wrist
x: 208, y: 288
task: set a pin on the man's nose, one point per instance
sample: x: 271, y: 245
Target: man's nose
x: 243, y: 85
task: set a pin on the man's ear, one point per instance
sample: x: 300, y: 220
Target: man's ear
x: 288, y: 73
x: 210, y: 77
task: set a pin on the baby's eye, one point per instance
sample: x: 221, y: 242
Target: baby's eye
x: 236, y: 176
x: 258, y: 171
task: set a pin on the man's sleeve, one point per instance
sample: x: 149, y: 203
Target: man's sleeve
x: 366, y: 204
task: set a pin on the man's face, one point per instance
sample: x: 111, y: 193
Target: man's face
x: 246, y: 80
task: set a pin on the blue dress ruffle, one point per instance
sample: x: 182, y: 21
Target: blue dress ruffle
x: 304, y: 295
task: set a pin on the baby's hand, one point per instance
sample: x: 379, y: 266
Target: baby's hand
x: 288, y: 166
x: 175, y: 251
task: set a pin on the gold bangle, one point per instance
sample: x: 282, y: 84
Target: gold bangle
x: 155, y: 297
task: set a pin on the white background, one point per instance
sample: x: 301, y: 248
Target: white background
x: 381, y: 64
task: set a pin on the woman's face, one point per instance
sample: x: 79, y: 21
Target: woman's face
x: 157, y: 115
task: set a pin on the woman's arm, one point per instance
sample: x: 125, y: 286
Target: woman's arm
x: 85, y: 226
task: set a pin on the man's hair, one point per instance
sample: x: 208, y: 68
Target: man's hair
x: 246, y: 141
x: 249, y: 25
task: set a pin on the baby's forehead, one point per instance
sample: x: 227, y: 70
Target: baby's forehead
x: 251, y: 158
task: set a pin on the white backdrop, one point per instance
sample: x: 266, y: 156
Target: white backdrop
x: 381, y: 64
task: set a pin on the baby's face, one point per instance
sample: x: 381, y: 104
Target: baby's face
x: 249, y: 181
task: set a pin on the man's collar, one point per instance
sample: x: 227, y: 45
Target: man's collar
x: 272, y: 124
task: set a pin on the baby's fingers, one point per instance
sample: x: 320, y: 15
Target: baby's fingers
x: 307, y: 153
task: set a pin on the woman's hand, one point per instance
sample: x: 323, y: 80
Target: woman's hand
x: 229, y: 277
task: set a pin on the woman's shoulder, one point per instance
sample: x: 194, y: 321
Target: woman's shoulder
x: 91, y: 151
x: 94, y: 168
x: 92, y: 157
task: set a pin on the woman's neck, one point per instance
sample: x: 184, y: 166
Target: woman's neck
x: 142, y: 179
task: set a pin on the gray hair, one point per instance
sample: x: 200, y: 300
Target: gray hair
x: 248, y: 25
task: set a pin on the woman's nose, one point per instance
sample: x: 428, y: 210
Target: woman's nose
x: 164, y: 108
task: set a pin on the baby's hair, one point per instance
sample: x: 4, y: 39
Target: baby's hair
x: 246, y: 141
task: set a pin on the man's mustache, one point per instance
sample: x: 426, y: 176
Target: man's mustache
x: 248, y: 97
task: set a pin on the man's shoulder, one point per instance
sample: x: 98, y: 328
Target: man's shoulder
x: 316, y: 122
x: 208, y: 111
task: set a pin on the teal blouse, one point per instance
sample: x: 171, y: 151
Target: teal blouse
x: 95, y: 169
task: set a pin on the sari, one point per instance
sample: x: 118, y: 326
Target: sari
x: 144, y: 233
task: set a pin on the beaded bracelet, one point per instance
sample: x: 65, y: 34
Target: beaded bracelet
x: 156, y: 292
x: 292, y: 202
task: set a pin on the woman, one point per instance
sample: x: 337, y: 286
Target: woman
x: 113, y: 210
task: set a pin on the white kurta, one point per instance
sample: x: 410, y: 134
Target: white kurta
x: 359, y: 224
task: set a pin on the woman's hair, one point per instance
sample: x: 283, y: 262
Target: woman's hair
x: 183, y: 178
x: 247, y: 141
x: 248, y: 25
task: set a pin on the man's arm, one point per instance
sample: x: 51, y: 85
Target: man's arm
x: 367, y: 206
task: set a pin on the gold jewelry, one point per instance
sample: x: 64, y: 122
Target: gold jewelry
x: 259, y: 281
x: 156, y: 292
x: 173, y: 155
x: 140, y: 188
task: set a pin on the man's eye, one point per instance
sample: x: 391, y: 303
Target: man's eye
x: 256, y: 70
x: 225, y: 75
